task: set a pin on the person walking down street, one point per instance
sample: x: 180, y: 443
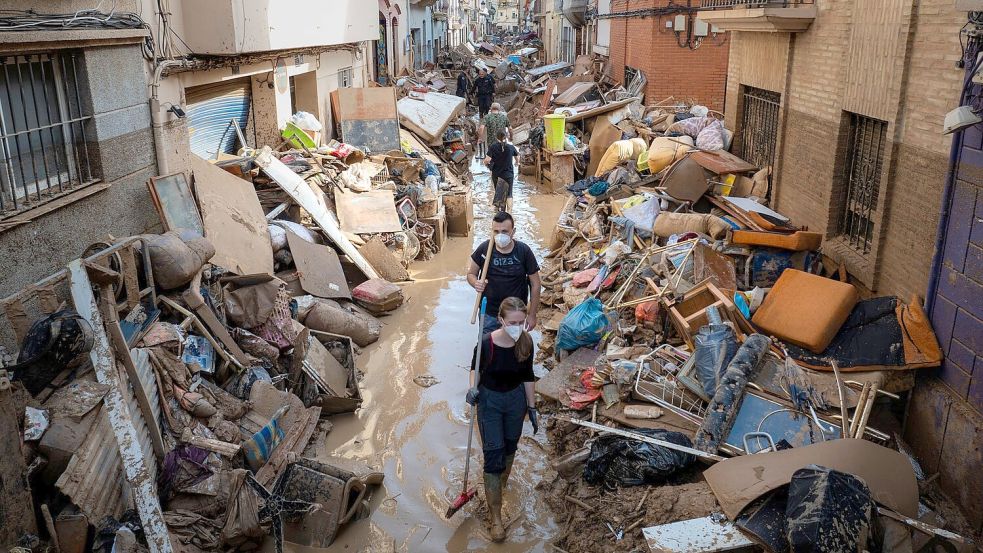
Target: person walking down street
x: 484, y: 88
x: 504, y: 394
x: 463, y: 84
x: 496, y: 120
x: 512, y: 272
x: 500, y: 160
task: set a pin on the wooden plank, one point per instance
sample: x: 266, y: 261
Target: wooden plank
x: 138, y: 474
x: 207, y: 316
x: 318, y: 268
x: 367, y: 212
x: 313, y: 202
x: 233, y: 220
x: 601, y: 110
x: 721, y: 162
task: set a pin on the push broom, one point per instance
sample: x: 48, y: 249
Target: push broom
x: 467, y: 495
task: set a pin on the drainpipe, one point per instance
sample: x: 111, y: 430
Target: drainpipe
x: 156, y: 123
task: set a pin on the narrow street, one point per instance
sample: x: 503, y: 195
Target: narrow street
x: 418, y: 435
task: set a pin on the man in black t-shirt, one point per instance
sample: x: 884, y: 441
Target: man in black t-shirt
x: 500, y: 161
x: 513, y: 271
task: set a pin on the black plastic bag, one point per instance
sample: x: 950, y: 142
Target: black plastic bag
x: 828, y: 512
x: 51, y: 345
x: 616, y: 461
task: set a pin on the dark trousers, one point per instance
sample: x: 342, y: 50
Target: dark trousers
x: 484, y: 104
x: 500, y: 417
x: 503, y: 189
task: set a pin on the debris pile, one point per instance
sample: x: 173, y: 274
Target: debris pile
x: 688, y: 325
x: 168, y: 391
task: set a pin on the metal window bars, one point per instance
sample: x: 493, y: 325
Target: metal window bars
x: 43, y: 145
x: 759, y: 126
x: 863, y: 178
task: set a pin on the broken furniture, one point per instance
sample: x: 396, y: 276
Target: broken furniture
x: 688, y: 314
x: 555, y: 167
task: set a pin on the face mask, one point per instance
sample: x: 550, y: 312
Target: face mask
x: 502, y: 240
x: 514, y: 331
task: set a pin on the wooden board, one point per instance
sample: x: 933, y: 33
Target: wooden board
x: 174, y: 202
x: 574, y: 93
x: 367, y: 212
x: 318, y: 269
x: 721, y: 162
x: 312, y: 200
x: 429, y: 116
x: 233, y: 219
x: 368, y: 117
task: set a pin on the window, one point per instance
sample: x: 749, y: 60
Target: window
x: 42, y: 135
x: 345, y: 77
x: 865, y: 158
x: 758, y: 135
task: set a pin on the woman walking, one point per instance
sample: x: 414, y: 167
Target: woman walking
x: 504, y: 393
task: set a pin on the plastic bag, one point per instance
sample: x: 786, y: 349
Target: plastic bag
x: 828, y: 511
x: 616, y: 461
x: 582, y: 326
x: 716, y: 345
x: 711, y: 137
x: 306, y: 121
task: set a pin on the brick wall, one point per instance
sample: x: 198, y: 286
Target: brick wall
x: 903, y: 73
x: 644, y: 43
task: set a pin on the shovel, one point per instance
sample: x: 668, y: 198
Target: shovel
x: 466, y: 494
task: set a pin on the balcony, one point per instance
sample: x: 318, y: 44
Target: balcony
x: 234, y: 27
x: 769, y: 16
x: 575, y: 11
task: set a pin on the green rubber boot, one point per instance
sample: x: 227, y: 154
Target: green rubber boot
x: 493, y: 494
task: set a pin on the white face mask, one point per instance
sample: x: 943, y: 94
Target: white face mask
x: 502, y: 240
x: 514, y: 331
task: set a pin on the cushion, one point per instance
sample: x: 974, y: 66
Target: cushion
x: 805, y: 309
x: 799, y: 241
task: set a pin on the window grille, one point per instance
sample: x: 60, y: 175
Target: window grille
x: 345, y: 77
x: 759, y: 126
x: 865, y: 151
x: 43, y: 146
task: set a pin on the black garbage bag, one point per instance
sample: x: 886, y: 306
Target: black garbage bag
x: 53, y: 343
x: 615, y: 461
x: 716, y: 344
x: 828, y: 512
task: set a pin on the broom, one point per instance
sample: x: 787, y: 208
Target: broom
x: 467, y: 495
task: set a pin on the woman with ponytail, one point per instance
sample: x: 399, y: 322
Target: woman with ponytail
x: 504, y: 394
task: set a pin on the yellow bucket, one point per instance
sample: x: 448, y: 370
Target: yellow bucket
x: 555, y: 125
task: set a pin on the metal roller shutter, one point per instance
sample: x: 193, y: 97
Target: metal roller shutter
x: 211, y: 109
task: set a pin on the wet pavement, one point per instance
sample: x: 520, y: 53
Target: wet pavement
x: 417, y: 434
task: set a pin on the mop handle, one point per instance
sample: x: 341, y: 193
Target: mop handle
x: 477, y: 367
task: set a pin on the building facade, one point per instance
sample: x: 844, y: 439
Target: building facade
x: 846, y: 100
x: 681, y: 55
x: 125, y: 104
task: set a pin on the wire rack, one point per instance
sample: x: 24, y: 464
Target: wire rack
x: 656, y: 382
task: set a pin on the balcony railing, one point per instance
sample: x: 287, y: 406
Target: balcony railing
x: 729, y: 4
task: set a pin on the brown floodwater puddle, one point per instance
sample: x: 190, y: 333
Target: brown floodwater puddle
x: 417, y: 435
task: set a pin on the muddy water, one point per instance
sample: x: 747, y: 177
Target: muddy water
x: 417, y: 435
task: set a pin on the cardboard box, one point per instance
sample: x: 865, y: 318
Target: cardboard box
x: 459, y: 213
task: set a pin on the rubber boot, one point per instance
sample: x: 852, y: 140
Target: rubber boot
x: 508, y: 470
x: 493, y: 494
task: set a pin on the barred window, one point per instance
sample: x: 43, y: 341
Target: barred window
x: 757, y: 138
x: 865, y: 151
x: 43, y: 151
x: 345, y: 77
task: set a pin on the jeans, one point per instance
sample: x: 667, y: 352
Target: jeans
x: 484, y: 104
x: 500, y: 417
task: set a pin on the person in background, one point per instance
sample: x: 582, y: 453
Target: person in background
x: 463, y: 84
x: 513, y: 272
x: 484, y: 88
x: 494, y: 121
x: 504, y: 394
x: 500, y: 160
